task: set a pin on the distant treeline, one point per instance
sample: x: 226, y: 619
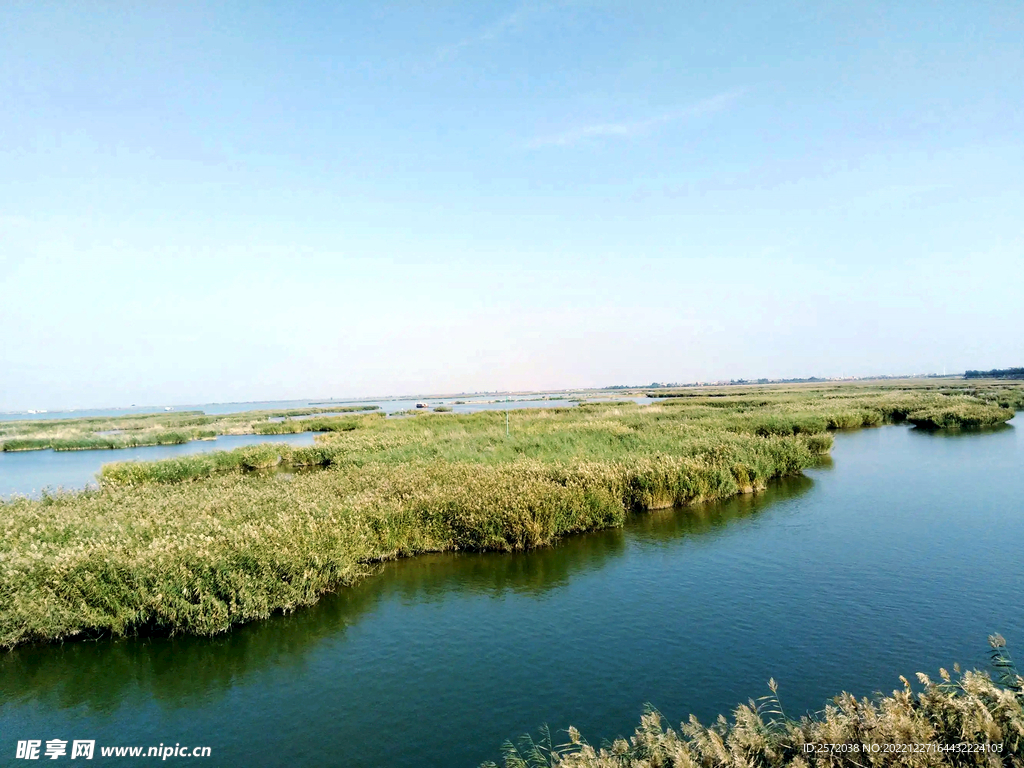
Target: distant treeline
x: 806, y: 380
x: 996, y: 373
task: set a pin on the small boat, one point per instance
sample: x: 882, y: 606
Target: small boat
x: 422, y: 405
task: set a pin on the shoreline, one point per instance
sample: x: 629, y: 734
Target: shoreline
x: 199, y: 544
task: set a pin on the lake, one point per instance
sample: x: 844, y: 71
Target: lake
x: 901, y: 554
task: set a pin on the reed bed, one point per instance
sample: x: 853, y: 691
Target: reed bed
x: 958, y: 709
x: 89, y: 442
x: 169, y: 428
x: 203, y: 542
x: 328, y: 424
x: 960, y: 413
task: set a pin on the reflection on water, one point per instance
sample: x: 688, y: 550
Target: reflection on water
x: 100, y: 675
x: 963, y: 434
x: 902, y: 554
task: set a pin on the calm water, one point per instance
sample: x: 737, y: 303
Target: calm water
x: 29, y: 472
x: 900, y: 556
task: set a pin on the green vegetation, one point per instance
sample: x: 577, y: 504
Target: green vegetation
x: 963, y: 708
x: 200, y: 543
x: 168, y: 428
x: 193, y: 467
x: 996, y: 373
x: 328, y: 424
x: 88, y: 442
x: 960, y: 413
x: 442, y: 409
x: 26, y: 444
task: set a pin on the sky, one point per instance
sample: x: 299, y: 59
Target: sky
x: 250, y: 201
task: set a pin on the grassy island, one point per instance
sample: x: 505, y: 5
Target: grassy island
x: 201, y: 543
x: 168, y: 428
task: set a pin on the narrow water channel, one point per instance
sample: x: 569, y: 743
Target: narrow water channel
x: 901, y: 555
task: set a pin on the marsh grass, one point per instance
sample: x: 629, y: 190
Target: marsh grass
x: 203, y: 542
x: 171, y: 428
x: 155, y: 437
x: 960, y: 413
x: 26, y: 444
x: 89, y: 442
x: 959, y: 708
x: 327, y: 424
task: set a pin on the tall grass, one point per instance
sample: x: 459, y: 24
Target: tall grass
x: 930, y: 727
x: 960, y: 413
x: 88, y: 442
x: 200, y: 543
x: 91, y: 433
x: 294, y: 426
x: 193, y: 467
x: 156, y: 437
x: 26, y: 444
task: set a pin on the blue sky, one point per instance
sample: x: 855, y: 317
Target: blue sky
x: 222, y: 202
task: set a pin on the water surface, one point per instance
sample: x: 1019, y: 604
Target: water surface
x: 900, y: 556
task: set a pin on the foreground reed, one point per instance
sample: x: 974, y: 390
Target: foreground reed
x: 963, y: 719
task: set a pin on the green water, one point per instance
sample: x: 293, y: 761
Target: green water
x: 900, y: 555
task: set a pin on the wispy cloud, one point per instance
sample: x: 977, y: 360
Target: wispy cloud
x: 507, y: 23
x: 630, y: 128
